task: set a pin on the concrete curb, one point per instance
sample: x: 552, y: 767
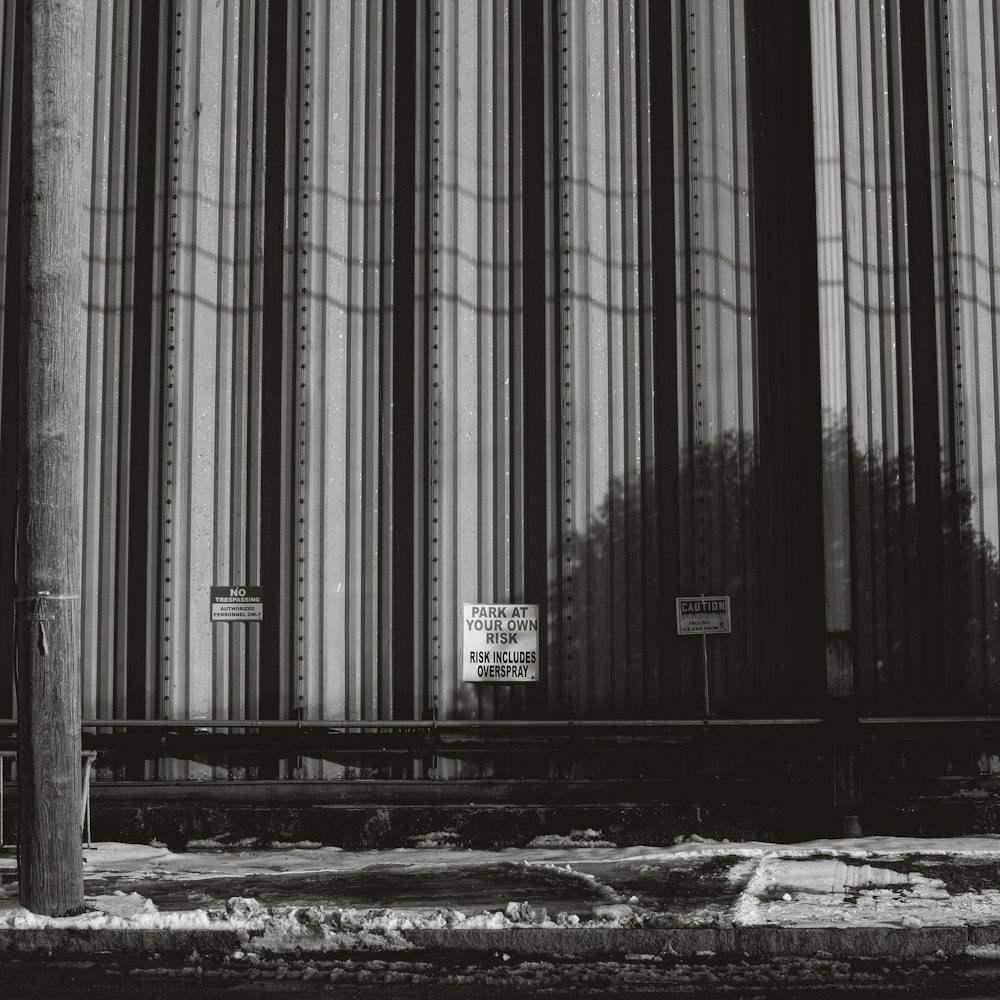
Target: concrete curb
x: 580, y: 941
x: 737, y: 942
x: 851, y: 942
x: 984, y: 934
x: 118, y: 941
x: 760, y: 942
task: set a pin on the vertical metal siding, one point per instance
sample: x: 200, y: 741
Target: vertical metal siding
x: 600, y: 369
x: 467, y: 332
x: 336, y: 213
x: 610, y: 505
x: 833, y: 350
x: 867, y: 399
x: 969, y: 38
x: 103, y: 259
x: 871, y: 322
x: 553, y: 116
x: 647, y: 648
x: 207, y: 405
x: 163, y: 217
x: 877, y: 536
x: 426, y: 271
x: 938, y: 133
x: 110, y: 152
x: 249, y: 244
x: 716, y: 362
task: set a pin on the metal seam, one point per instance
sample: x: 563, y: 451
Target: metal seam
x: 305, y: 99
x: 701, y: 497
x: 434, y: 373
x: 173, y: 248
x: 960, y: 443
x: 566, y: 350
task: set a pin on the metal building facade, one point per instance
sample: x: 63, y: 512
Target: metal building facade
x: 393, y: 306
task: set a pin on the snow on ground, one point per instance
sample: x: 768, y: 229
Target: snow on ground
x: 828, y: 891
x: 140, y: 859
x: 857, y: 882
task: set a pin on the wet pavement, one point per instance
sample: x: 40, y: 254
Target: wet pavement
x: 698, y: 892
x: 690, y: 892
x: 458, y: 887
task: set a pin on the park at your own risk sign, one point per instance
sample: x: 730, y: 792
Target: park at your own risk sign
x: 500, y: 643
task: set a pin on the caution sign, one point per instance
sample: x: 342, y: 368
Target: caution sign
x: 237, y: 604
x: 703, y: 615
x: 500, y: 643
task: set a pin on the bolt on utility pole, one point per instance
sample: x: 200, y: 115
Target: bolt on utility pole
x: 50, y: 460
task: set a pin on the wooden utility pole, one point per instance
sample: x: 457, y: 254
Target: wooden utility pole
x: 50, y: 460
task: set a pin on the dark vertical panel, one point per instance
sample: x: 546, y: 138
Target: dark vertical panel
x: 8, y: 373
x: 663, y: 223
x: 531, y: 63
x: 682, y: 503
x: 789, y: 470
x: 403, y: 293
x: 141, y: 373
x: 424, y: 284
x: 958, y: 532
x: 952, y: 516
x: 931, y: 641
x: 257, y: 125
x: 273, y: 461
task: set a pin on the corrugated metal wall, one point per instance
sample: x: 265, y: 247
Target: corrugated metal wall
x: 969, y: 70
x: 392, y: 307
x: 602, y: 353
x: 864, y: 331
x: 466, y: 329
x: 906, y: 214
x: 334, y: 305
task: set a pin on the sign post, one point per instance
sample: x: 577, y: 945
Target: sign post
x: 704, y: 616
x: 704, y: 672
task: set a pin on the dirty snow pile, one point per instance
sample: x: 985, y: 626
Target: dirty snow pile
x: 576, y: 838
x: 279, y: 929
x: 273, y: 930
x: 860, y: 882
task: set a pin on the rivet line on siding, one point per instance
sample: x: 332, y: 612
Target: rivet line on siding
x: 305, y: 131
x: 700, y: 444
x: 434, y: 374
x: 566, y: 341
x: 960, y: 441
x: 170, y: 355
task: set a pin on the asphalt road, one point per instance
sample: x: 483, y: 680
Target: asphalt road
x: 354, y: 979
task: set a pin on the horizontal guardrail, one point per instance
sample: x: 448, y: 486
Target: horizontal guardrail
x: 427, y: 723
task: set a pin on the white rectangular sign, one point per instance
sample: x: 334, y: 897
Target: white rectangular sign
x: 500, y: 643
x: 703, y: 615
